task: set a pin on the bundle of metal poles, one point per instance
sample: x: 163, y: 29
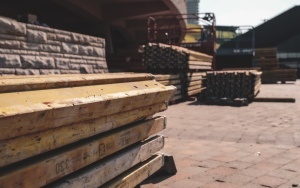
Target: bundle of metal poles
x: 229, y: 87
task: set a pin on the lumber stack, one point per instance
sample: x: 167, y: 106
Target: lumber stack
x: 194, y: 83
x: 171, y: 79
x: 173, y: 58
x: 232, y: 87
x: 266, y: 58
x: 80, y: 130
x: 187, y: 84
x: 282, y: 75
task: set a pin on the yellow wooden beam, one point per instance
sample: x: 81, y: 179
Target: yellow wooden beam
x: 103, y: 171
x: 62, y: 162
x: 137, y: 174
x: 19, y: 148
x: 37, y: 82
x: 34, y: 111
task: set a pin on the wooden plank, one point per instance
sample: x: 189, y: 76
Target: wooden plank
x: 195, y: 62
x: 193, y: 83
x: 280, y: 71
x: 264, y: 61
x: 105, y: 170
x: 192, y: 79
x: 274, y: 99
x: 191, y: 74
x: 170, y: 82
x: 196, y: 92
x: 199, y: 67
x: 164, y: 77
x: 26, y: 83
x: 190, y: 88
x: 201, y: 58
x: 265, y: 52
x: 74, y: 157
x: 44, y: 109
x: 137, y: 174
x: 43, y: 141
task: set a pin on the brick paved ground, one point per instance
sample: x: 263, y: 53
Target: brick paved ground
x: 221, y: 146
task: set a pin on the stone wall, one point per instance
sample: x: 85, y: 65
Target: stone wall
x: 27, y: 49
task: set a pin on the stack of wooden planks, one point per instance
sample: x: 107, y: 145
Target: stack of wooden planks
x: 173, y: 58
x: 266, y: 59
x: 232, y: 87
x: 187, y: 84
x: 279, y: 75
x: 80, y: 130
x: 194, y: 83
x: 171, y: 79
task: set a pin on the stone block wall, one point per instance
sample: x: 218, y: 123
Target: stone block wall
x: 27, y: 49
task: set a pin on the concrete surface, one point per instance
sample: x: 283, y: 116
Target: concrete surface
x: 223, y: 146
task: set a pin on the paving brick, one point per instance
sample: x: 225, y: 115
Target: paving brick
x: 224, y: 158
x: 278, y: 160
x: 210, y: 163
x: 232, y: 137
x: 185, y: 183
x: 252, y: 185
x: 237, y: 178
x: 266, y: 139
x: 253, y: 172
x: 249, y: 138
x: 252, y: 159
x: 201, y: 157
x: 289, y: 155
x: 221, y: 171
x: 295, y: 182
x: 284, y: 173
x: 220, y: 184
x: 275, y: 164
x: 266, y: 166
x: 237, y: 165
x: 292, y: 167
x: 203, y: 178
x: 269, y: 181
x: 284, y: 139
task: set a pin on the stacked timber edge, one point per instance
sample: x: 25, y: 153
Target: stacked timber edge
x: 167, y: 58
x: 236, y: 88
x: 187, y: 84
x: 267, y: 60
x: 80, y: 130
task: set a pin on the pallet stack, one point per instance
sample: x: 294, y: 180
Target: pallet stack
x: 266, y: 59
x: 279, y: 75
x: 232, y: 87
x: 187, y: 84
x: 80, y: 130
x: 163, y: 57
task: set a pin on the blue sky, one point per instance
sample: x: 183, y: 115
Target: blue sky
x: 245, y: 12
